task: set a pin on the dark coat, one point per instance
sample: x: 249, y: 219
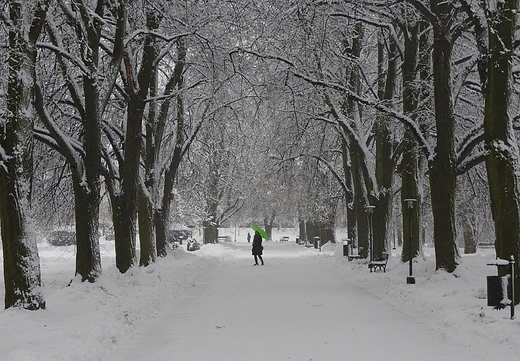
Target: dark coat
x: 257, y: 245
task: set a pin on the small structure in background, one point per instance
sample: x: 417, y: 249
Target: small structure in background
x: 224, y: 239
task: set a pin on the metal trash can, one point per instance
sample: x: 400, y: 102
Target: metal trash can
x: 497, y: 295
x: 345, y: 248
x: 316, y: 242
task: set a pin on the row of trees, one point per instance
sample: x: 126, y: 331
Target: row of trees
x: 267, y: 108
x: 421, y: 87
x: 120, y: 90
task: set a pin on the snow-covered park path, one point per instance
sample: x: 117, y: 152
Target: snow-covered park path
x: 302, y: 305
x: 293, y: 308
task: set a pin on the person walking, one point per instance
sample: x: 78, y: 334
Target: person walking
x: 248, y: 237
x: 257, y: 248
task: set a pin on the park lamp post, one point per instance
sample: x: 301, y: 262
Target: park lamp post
x: 370, y: 211
x: 410, y: 279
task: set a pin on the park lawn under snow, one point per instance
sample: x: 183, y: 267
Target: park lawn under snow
x: 303, y: 304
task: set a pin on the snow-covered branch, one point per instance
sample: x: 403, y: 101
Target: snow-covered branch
x: 426, y: 12
x: 44, y: 136
x: 173, y: 94
x: 144, y: 32
x: 375, y: 103
x: 64, y: 54
x: 470, y: 162
x: 64, y: 142
x: 375, y: 23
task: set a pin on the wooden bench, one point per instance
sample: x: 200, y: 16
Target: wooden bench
x: 353, y: 256
x: 379, y: 264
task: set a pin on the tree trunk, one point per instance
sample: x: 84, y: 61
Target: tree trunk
x: 129, y: 195
x: 210, y: 231
x: 147, y: 188
x: 268, y: 224
x: 470, y: 242
x: 125, y: 250
x: 443, y: 166
x: 126, y: 224
x: 88, y: 258
x: 86, y: 175
x: 502, y: 160
x: 360, y: 203
x: 303, y: 234
x: 359, y: 183
x: 310, y: 231
x: 349, y: 197
x: 212, y: 200
x: 86, y: 186
x: 178, y: 152
x: 22, y: 275
x: 384, y: 153
x: 161, y: 236
x: 146, y: 228
x: 410, y: 160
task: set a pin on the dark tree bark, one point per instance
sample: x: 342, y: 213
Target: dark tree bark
x: 384, y: 151
x: 210, y: 231
x: 443, y: 168
x: 468, y: 231
x: 349, y: 195
x: 163, y: 215
x: 22, y: 275
x: 268, y: 224
x: 155, y: 127
x: 146, y: 227
x: 360, y: 182
x: 360, y: 204
x: 87, y: 197
x: 147, y: 188
x: 303, y: 233
x: 125, y: 201
x: 213, y: 197
x: 502, y: 160
x: 310, y: 231
x: 410, y: 159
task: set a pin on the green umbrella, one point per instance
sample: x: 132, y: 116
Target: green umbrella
x: 261, y: 231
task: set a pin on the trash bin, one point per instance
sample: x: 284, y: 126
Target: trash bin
x: 497, y: 291
x: 297, y: 240
x: 499, y: 286
x: 347, y: 248
x: 316, y: 242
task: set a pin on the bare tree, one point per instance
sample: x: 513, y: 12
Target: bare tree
x: 123, y: 180
x: 22, y: 275
x: 77, y: 46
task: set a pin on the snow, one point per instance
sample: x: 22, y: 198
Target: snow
x: 304, y: 304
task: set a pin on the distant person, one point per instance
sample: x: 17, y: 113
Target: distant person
x: 257, y: 248
x: 248, y: 237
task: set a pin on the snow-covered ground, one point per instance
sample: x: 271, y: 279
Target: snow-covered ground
x: 212, y: 304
